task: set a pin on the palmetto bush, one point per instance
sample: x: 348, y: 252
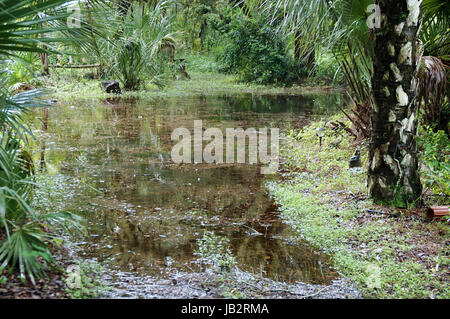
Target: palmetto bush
x: 132, y: 44
x: 255, y: 51
x: 25, y: 231
x: 25, y: 234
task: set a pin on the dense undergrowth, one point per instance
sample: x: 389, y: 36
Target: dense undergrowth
x: 253, y: 50
x: 386, y: 252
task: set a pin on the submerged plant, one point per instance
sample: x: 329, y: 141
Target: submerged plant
x: 215, y: 250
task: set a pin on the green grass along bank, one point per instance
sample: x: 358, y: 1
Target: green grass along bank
x: 386, y: 255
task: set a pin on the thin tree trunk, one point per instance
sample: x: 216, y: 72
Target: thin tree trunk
x: 202, y: 34
x: 100, y: 69
x: 45, y: 66
x: 44, y: 59
x: 393, y: 167
x: 44, y: 55
x: 43, y: 140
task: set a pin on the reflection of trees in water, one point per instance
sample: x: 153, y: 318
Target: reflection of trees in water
x: 226, y: 190
x: 144, y: 127
x: 271, y: 256
x: 141, y: 232
x: 143, y: 215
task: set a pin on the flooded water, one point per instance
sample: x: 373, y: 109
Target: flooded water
x: 146, y: 213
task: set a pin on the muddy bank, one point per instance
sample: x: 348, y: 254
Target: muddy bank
x: 50, y: 287
x: 211, y: 284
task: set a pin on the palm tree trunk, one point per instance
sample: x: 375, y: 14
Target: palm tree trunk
x: 393, y: 167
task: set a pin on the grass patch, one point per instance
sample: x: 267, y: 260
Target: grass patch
x: 385, y: 256
x: 72, y: 84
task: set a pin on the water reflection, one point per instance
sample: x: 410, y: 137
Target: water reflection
x: 147, y: 212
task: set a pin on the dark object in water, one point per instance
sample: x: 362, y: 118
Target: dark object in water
x: 436, y: 212
x: 355, y: 160
x: 111, y: 87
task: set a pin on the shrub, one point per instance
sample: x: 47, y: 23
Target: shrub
x: 136, y: 49
x: 255, y: 51
x: 87, y: 282
x: 25, y: 233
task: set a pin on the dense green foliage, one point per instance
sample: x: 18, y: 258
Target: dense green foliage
x: 133, y: 48
x: 25, y: 234
x: 254, y: 50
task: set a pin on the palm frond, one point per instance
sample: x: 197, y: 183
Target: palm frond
x: 433, y: 88
x: 23, y: 248
x: 21, y: 22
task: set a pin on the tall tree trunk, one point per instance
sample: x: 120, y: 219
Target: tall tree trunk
x: 45, y: 64
x: 393, y: 167
x: 202, y: 34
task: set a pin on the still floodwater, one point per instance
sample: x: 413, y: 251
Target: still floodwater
x: 146, y: 213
